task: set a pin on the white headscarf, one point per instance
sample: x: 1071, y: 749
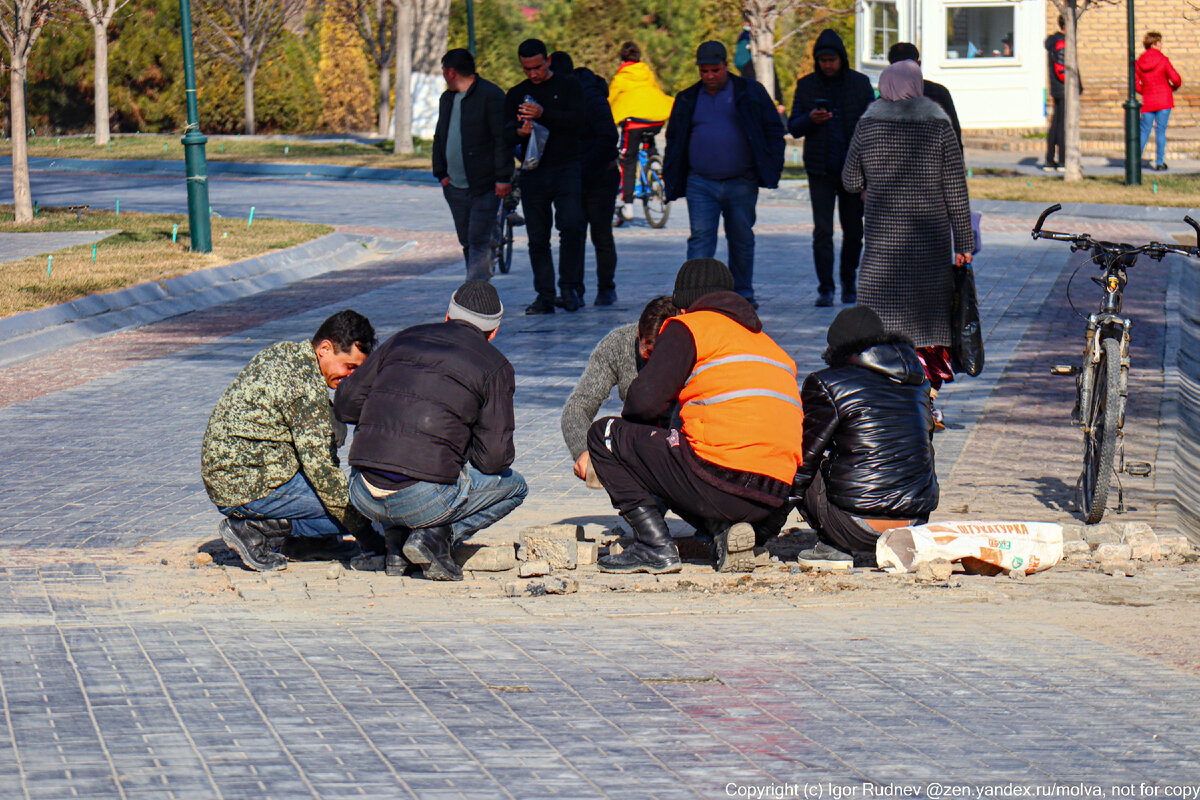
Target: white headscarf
x: 902, y: 81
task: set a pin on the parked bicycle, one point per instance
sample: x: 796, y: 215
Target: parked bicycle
x: 507, y: 218
x: 649, y: 186
x: 1102, y: 382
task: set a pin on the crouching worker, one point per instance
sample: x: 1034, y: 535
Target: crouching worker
x: 615, y: 361
x: 433, y: 406
x: 269, y: 457
x: 733, y: 459
x: 868, y: 455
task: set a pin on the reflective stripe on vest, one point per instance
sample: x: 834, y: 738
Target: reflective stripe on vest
x: 720, y: 398
x: 742, y: 358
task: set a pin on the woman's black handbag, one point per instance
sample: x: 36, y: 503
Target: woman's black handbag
x: 966, y: 335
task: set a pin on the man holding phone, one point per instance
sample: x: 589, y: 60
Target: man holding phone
x: 825, y: 109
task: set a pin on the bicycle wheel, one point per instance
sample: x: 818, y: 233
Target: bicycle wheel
x: 654, y: 203
x: 1100, y: 431
x: 504, y: 256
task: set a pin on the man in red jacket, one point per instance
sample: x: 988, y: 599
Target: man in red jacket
x: 1157, y: 81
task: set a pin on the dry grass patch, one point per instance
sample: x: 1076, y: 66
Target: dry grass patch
x: 140, y: 251
x: 1173, y: 190
x: 230, y: 148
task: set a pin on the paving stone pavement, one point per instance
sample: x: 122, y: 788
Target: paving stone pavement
x: 127, y: 674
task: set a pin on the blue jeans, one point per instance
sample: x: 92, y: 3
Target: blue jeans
x: 1157, y: 119
x: 297, y: 501
x: 735, y: 199
x: 473, y: 503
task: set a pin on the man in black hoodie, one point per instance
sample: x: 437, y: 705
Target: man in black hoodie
x: 868, y: 455
x: 732, y: 460
x: 907, y: 51
x: 600, y: 176
x: 825, y: 109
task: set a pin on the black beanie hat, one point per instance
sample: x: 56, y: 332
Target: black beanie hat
x: 854, y: 324
x: 698, y: 277
x: 478, y: 303
x: 903, y: 51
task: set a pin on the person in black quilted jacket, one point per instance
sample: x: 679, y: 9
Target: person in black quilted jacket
x: 868, y: 452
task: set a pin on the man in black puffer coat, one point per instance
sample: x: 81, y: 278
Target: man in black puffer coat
x: 868, y: 452
x: 433, y: 446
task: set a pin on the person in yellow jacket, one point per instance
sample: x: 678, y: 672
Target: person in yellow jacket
x: 729, y: 466
x: 641, y: 108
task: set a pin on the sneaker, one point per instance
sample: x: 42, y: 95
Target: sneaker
x: 605, y: 297
x: 1049, y: 166
x: 249, y: 539
x: 1060, y: 168
x: 824, y: 557
x: 570, y: 301
x: 824, y: 299
x: 627, y: 212
x: 540, y: 306
x: 733, y: 548
x: 849, y: 298
x: 939, y: 421
x: 1160, y: 167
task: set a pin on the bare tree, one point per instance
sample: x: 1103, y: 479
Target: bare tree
x: 375, y: 22
x: 763, y: 16
x: 402, y: 133
x: 241, y: 32
x: 21, y: 23
x: 100, y: 14
x: 1071, y: 11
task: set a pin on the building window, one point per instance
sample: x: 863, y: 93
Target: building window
x: 884, y: 20
x: 979, y: 32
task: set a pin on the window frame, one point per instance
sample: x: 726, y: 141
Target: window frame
x: 1015, y: 60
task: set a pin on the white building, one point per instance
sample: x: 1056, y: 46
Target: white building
x: 988, y: 53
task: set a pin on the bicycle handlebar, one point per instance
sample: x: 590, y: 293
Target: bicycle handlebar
x: 1084, y: 241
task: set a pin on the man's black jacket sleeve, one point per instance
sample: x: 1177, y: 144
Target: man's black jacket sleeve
x: 657, y: 386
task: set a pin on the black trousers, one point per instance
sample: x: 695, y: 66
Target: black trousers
x: 599, y: 200
x: 639, y: 463
x: 474, y: 217
x: 837, y: 527
x: 825, y: 191
x: 552, y: 196
x: 629, y: 157
x: 1056, y: 141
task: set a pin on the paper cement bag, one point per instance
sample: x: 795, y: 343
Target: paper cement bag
x: 987, y: 548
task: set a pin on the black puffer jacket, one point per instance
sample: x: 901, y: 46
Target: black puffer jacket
x: 867, y: 426
x: 428, y: 400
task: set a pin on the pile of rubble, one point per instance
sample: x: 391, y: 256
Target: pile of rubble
x: 1123, y: 548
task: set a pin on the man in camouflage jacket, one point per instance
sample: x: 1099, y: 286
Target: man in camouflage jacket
x: 269, y: 458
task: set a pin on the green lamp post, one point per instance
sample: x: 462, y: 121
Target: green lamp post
x: 199, y: 223
x: 471, y: 26
x: 1133, y: 112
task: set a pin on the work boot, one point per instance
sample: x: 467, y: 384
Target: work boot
x: 733, y: 548
x: 396, y: 564
x: 370, y: 542
x: 430, y: 549
x: 250, y: 539
x: 652, y: 550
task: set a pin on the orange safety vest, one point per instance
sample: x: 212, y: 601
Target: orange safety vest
x: 741, y: 406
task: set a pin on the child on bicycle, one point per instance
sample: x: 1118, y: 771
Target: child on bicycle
x: 641, y: 108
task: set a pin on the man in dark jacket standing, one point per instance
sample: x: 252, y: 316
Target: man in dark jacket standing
x: 868, y: 456
x: 907, y: 51
x: 471, y: 157
x: 1056, y: 67
x: 724, y: 141
x: 551, y: 194
x: 826, y: 107
x: 434, y: 442
x: 600, y: 176
x: 731, y: 462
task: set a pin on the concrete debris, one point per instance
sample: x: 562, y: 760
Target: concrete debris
x: 486, y: 559
x: 551, y: 585
x: 1113, y: 552
x: 1103, y: 533
x: 534, y: 569
x: 935, y: 571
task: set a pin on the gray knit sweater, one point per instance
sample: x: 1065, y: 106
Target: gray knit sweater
x: 612, y: 363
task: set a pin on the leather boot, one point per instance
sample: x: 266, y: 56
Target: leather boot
x: 250, y: 539
x: 430, y: 548
x: 652, y: 550
x: 395, y: 564
x: 370, y: 542
x: 733, y: 547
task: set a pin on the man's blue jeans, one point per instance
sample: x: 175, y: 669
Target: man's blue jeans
x: 476, y: 501
x: 297, y: 501
x: 735, y: 199
x: 1159, y: 120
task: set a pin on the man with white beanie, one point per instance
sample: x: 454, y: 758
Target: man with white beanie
x: 433, y: 406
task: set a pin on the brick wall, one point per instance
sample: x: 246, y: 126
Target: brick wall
x: 1102, y: 58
